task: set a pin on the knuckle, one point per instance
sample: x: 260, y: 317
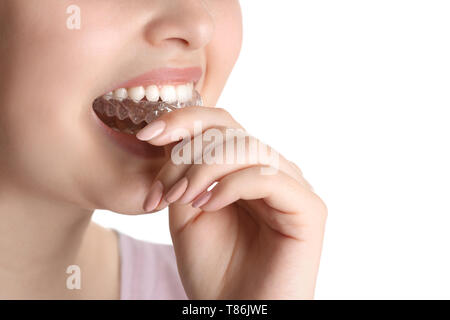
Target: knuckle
x: 226, y: 182
x: 194, y: 173
x: 322, y: 209
x: 226, y: 115
x: 222, y: 112
x: 295, y: 166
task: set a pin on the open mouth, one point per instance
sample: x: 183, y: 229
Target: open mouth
x: 128, y: 110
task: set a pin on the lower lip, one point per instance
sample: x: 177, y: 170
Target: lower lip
x: 129, y: 142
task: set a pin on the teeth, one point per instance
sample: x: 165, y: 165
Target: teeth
x: 109, y: 95
x: 184, y: 93
x: 130, y: 116
x: 168, y: 94
x: 121, y: 94
x: 152, y: 93
x: 136, y: 93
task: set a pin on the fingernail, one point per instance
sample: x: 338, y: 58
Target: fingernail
x: 202, y: 200
x: 151, y: 131
x: 154, y: 197
x: 177, y: 190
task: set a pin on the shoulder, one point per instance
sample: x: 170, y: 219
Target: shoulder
x: 148, y: 271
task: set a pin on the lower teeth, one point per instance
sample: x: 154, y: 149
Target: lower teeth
x: 129, y: 116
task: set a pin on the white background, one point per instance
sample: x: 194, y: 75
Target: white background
x: 357, y: 93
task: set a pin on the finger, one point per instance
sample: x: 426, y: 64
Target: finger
x: 201, y: 177
x: 280, y: 192
x: 186, y: 122
x: 300, y: 174
x: 188, y: 179
x: 184, y: 181
x: 175, y: 169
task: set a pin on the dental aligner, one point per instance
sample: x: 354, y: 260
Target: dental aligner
x: 130, y: 116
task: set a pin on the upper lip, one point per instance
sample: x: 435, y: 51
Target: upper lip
x: 164, y: 76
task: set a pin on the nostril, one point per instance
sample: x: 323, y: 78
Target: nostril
x: 179, y: 41
x: 188, y: 26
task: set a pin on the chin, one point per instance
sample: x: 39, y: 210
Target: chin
x: 128, y: 202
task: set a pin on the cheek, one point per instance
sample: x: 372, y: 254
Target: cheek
x: 46, y: 88
x: 223, y: 51
x: 48, y: 80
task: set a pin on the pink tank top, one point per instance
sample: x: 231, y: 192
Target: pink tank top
x: 148, y: 271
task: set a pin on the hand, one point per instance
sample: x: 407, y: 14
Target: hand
x: 256, y: 235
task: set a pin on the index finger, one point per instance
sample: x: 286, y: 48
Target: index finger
x: 188, y: 121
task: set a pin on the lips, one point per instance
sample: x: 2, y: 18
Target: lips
x: 129, y: 107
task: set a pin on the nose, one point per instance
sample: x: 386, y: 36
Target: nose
x: 181, y: 22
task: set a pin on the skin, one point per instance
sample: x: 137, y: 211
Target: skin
x: 258, y: 237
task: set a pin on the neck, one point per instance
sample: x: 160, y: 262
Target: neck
x: 39, y: 239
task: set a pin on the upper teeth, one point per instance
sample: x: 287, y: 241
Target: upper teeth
x: 167, y: 93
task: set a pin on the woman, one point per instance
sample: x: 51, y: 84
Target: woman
x: 256, y: 235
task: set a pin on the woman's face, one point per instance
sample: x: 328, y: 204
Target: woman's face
x: 51, y: 141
